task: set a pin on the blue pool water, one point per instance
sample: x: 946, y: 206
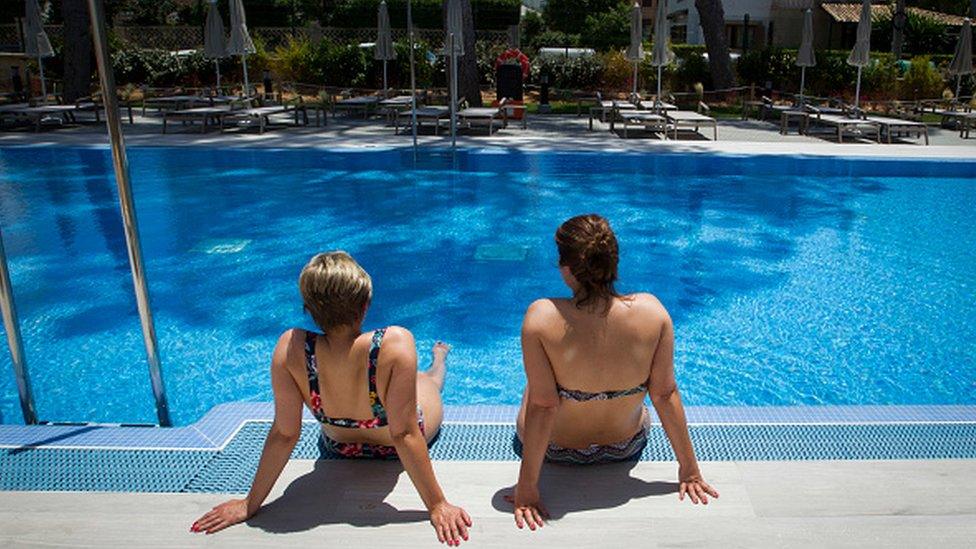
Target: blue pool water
x: 792, y: 281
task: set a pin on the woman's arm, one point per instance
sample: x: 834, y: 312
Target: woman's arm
x: 540, y: 414
x: 399, y: 352
x: 285, y: 430
x: 666, y: 399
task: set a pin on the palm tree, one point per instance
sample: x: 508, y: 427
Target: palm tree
x: 712, y: 18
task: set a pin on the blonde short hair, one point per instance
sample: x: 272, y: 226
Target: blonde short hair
x: 335, y: 289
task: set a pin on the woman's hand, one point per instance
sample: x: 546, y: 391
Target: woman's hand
x: 226, y: 514
x: 528, y: 507
x: 450, y: 522
x: 694, y: 487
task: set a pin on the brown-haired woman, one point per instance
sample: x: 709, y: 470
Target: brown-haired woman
x: 371, y: 403
x: 589, y: 361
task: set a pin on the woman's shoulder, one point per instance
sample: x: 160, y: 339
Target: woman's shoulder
x: 392, y: 339
x: 647, y: 306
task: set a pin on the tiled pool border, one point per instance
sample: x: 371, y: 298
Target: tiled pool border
x: 215, y: 429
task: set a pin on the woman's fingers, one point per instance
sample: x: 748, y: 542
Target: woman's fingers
x: 711, y: 491
x: 466, y: 517
x: 206, y: 523
x: 455, y: 536
x: 692, y: 493
x: 701, y: 494
x: 462, y: 527
x: 519, y: 521
x: 530, y: 518
x: 439, y: 528
x: 682, y: 490
x: 537, y: 517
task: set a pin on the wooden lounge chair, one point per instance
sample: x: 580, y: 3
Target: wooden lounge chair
x: 892, y: 127
x: 691, y: 119
x: 843, y: 124
x: 484, y: 115
x: 967, y: 123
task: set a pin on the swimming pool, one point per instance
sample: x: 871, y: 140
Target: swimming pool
x: 791, y: 280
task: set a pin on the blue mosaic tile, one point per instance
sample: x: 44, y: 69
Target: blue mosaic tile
x: 99, y: 470
x: 231, y: 469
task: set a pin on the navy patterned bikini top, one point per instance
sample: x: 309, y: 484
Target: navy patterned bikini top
x: 311, y: 368
x: 583, y: 396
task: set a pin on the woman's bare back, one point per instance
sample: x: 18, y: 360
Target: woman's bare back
x: 594, y: 353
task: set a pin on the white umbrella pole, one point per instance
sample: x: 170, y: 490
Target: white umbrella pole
x: 413, y: 82
x: 217, y: 66
x: 857, y: 90
x: 958, y: 85
x: 247, y: 85
x: 384, y: 78
x: 659, y: 100
x: 453, y: 93
x: 803, y: 79
x: 635, y: 78
x: 40, y: 68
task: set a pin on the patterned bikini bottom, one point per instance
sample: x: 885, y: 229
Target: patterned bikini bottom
x: 363, y: 450
x: 624, y: 450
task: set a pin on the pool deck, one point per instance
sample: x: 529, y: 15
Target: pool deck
x: 562, y: 132
x: 815, y: 503
x: 763, y: 504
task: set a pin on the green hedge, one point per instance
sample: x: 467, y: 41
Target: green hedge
x: 427, y: 14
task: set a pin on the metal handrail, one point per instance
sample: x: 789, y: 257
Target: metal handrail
x: 12, y: 326
x: 133, y: 244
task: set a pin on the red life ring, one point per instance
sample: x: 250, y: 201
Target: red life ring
x: 514, y: 53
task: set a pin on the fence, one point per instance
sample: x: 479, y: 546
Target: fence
x: 186, y: 38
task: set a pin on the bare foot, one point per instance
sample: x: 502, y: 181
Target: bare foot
x: 438, y: 365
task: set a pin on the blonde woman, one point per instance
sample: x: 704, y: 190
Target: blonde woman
x: 590, y: 360
x: 363, y: 387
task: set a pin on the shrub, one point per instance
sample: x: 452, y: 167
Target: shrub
x: 566, y: 15
x: 618, y: 71
x: 160, y: 67
x: 922, y: 81
x: 575, y: 73
x: 773, y: 65
x: 691, y: 68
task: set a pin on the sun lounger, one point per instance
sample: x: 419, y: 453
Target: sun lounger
x: 967, y: 123
x: 262, y: 115
x: 691, y: 119
x: 425, y: 115
x: 484, y: 115
x: 606, y: 107
x: 175, y: 102
x: 36, y: 115
x: 648, y: 120
x: 892, y: 127
x: 364, y: 103
x: 847, y: 125
x: 207, y: 116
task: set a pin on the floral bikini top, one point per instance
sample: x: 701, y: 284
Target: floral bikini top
x: 311, y: 368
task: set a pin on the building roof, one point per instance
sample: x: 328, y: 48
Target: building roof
x: 850, y: 13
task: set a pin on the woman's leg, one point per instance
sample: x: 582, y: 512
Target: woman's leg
x: 429, y: 387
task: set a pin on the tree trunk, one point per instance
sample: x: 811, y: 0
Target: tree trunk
x: 712, y: 18
x: 77, y: 50
x: 898, y: 28
x: 469, y: 81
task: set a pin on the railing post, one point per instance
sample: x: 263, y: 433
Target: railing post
x: 12, y: 326
x: 133, y: 244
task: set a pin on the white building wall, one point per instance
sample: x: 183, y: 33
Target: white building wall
x: 735, y: 10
